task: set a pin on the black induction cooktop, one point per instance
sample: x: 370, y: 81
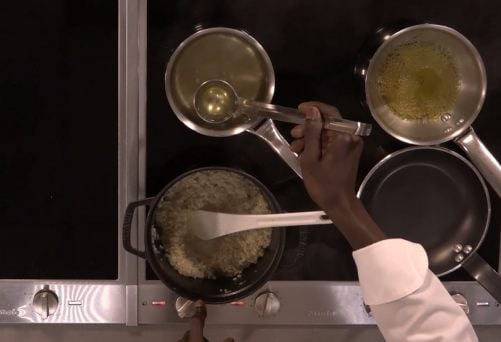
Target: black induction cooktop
x: 58, y: 140
x: 313, y: 46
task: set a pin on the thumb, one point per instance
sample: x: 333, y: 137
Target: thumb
x: 197, y: 322
x: 312, y: 134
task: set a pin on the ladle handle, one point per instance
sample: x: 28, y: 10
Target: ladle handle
x: 292, y: 115
x: 483, y: 159
x: 269, y: 133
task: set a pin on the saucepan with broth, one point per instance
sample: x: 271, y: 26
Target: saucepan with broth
x: 425, y: 85
x: 222, y: 53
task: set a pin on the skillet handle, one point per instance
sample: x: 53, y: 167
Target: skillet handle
x: 486, y: 276
x: 269, y: 133
x: 482, y: 158
x: 127, y: 226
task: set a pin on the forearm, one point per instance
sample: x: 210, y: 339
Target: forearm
x: 354, y: 222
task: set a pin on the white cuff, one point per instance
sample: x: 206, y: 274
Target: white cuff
x: 390, y: 269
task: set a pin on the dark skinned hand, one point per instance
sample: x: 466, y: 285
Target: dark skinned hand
x: 197, y: 323
x: 330, y: 159
x: 329, y: 164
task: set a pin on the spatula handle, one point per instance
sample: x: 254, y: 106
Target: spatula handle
x: 292, y: 219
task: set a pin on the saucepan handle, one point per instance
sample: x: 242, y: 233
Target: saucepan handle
x: 269, y: 133
x: 127, y: 226
x: 486, y: 276
x: 482, y: 158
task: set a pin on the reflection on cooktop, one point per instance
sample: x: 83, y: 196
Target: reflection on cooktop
x: 59, y: 140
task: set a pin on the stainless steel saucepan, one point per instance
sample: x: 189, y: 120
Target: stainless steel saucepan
x: 236, y: 57
x: 456, y: 124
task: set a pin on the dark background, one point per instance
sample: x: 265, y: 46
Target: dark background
x: 58, y: 139
x: 313, y: 46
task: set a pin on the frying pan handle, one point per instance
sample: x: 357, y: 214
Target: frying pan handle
x: 486, y: 276
x: 269, y: 133
x: 127, y: 226
x: 482, y: 158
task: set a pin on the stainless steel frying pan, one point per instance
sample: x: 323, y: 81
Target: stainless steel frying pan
x: 469, y: 102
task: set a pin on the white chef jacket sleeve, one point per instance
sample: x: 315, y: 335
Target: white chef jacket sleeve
x: 407, y: 300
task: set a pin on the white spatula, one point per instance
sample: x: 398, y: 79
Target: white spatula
x: 209, y: 225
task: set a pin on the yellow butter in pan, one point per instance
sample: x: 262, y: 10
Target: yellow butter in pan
x: 419, y: 80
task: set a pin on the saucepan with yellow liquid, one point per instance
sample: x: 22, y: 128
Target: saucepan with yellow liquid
x: 234, y: 56
x: 425, y: 85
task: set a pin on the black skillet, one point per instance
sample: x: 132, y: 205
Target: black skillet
x: 435, y: 197
x: 212, y: 291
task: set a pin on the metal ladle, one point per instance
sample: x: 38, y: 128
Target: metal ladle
x: 216, y: 102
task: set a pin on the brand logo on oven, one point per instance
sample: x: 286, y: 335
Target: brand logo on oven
x: 321, y: 313
x: 11, y: 312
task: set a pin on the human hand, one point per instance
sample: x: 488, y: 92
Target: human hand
x: 329, y: 159
x: 329, y: 163
x: 197, y: 323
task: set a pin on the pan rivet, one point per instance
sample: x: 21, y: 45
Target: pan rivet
x: 448, y: 130
x: 459, y: 257
x: 460, y: 122
x: 445, y: 117
x: 467, y: 249
x: 458, y: 248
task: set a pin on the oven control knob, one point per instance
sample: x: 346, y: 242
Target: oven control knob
x: 267, y: 304
x: 45, y: 303
x: 461, y: 301
x: 185, y: 308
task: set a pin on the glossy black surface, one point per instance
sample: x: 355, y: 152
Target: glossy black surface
x: 58, y: 140
x: 314, y: 46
